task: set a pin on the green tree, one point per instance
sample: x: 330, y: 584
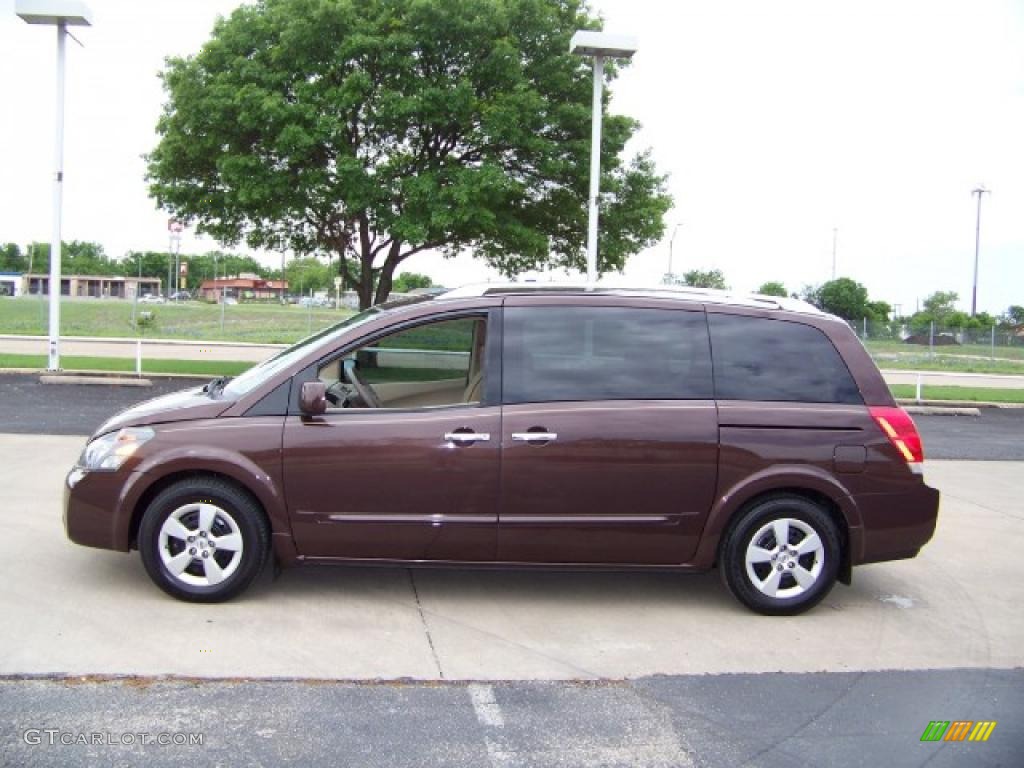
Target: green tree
x: 1015, y: 314
x: 811, y: 294
x: 308, y: 275
x: 878, y: 311
x: 773, y: 288
x: 77, y: 257
x: 12, y: 259
x: 698, y: 278
x: 407, y: 281
x: 940, y: 306
x: 377, y: 129
x: 846, y: 298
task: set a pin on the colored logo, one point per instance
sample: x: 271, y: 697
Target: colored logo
x: 958, y: 730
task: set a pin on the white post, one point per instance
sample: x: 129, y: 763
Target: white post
x: 53, y: 363
x: 993, y: 343
x: 918, y: 396
x: 138, y: 357
x: 931, y: 339
x: 595, y: 170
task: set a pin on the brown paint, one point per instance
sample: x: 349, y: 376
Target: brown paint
x: 626, y: 483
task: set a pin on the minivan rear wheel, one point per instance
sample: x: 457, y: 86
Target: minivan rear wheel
x: 782, y: 555
x: 203, y: 540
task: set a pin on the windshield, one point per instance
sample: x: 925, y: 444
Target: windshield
x: 255, y: 376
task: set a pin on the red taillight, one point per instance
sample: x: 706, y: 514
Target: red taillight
x: 899, y: 428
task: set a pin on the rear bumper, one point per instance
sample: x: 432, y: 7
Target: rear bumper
x: 896, y: 525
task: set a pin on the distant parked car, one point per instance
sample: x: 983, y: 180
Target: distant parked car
x: 314, y: 301
x: 229, y: 300
x: 181, y: 296
x: 152, y: 298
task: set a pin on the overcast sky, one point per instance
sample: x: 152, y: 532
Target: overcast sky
x: 776, y: 121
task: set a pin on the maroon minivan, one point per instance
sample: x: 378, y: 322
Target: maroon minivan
x: 526, y: 425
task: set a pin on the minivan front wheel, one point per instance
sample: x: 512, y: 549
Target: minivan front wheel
x: 782, y: 555
x: 203, y: 540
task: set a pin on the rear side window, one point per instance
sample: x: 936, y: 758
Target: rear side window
x: 763, y: 359
x: 604, y: 353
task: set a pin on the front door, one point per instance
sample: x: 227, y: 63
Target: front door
x: 404, y: 464
x: 609, y: 434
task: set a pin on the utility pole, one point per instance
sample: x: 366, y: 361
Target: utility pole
x: 835, y: 234
x: 977, y: 242
x: 671, y: 242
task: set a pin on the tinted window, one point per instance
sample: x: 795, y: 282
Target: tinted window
x: 764, y: 359
x: 604, y: 353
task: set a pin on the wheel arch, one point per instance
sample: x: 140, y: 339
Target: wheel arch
x: 822, y: 500
x: 160, y: 484
x: 807, y: 482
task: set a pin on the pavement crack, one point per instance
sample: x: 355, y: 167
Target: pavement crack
x: 423, y: 620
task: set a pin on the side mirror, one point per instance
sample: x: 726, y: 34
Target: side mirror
x: 313, y: 398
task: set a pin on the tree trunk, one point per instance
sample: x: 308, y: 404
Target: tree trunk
x: 387, y: 273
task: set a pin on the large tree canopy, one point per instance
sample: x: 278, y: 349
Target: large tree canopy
x: 378, y: 129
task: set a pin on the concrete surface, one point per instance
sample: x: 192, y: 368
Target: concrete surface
x: 951, y: 379
x: 78, y: 611
x: 798, y: 721
x: 96, y: 381
x: 152, y: 349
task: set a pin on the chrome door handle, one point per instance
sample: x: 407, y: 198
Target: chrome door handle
x: 534, y: 437
x: 467, y: 437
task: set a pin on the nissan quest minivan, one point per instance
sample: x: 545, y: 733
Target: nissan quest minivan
x: 526, y: 425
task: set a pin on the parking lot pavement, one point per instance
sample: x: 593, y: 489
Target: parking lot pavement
x: 799, y: 721
x: 72, y: 610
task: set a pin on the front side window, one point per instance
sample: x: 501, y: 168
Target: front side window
x: 430, y: 365
x: 763, y: 359
x: 574, y: 353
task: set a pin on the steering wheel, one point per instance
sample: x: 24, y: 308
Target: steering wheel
x: 367, y: 395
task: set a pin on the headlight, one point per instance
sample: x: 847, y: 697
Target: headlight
x: 108, y: 452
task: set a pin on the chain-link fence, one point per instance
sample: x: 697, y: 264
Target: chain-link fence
x: 912, y: 343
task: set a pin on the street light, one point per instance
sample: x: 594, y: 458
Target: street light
x: 980, y: 192
x: 62, y: 14
x: 671, y: 242
x: 599, y: 46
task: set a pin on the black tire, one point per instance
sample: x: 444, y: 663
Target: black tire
x: 236, y: 517
x: 820, y: 562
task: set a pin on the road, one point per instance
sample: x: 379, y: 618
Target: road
x: 813, y: 720
x: 398, y: 667
x: 998, y: 434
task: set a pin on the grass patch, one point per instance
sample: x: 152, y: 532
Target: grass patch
x: 972, y: 394
x: 127, y: 365
x: 257, y: 323
x: 951, y: 364
x: 1014, y: 350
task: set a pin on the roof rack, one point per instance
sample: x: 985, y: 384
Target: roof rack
x: 709, y: 295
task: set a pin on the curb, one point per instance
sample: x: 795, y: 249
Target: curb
x: 932, y: 410
x: 94, y: 380
x: 909, y: 401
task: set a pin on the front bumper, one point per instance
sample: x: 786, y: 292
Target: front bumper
x: 97, y: 508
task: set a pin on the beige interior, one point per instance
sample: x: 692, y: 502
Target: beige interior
x: 433, y: 393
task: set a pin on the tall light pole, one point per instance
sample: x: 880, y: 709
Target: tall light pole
x: 599, y: 46
x: 977, y: 242
x: 671, y: 242
x: 61, y: 14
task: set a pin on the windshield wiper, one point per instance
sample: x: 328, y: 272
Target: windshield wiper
x: 214, y: 386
